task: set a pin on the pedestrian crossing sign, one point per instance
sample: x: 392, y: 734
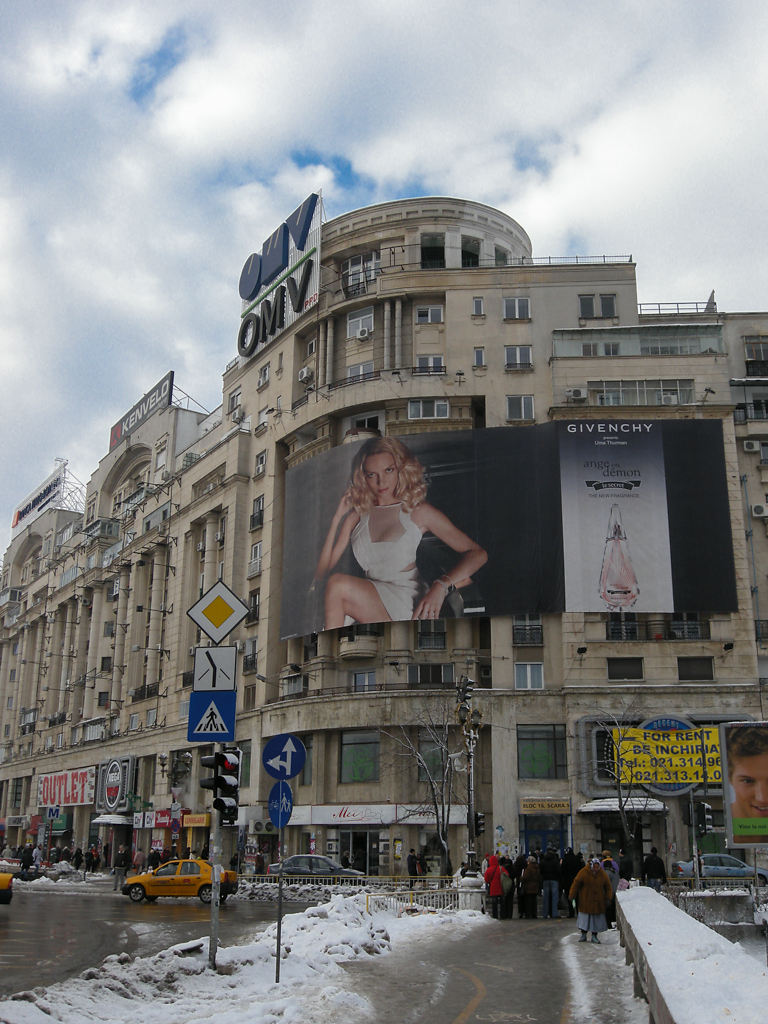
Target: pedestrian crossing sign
x: 211, y: 717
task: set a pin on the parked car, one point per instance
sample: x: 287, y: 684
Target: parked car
x: 312, y: 866
x: 6, y: 887
x: 718, y: 865
x: 189, y: 877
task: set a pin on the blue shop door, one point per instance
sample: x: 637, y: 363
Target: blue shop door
x: 542, y: 830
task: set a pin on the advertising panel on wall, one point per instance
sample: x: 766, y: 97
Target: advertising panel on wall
x: 562, y: 520
x: 43, y: 497
x: 159, y: 397
x: 744, y: 747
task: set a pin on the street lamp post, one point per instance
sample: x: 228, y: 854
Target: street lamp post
x: 470, y: 721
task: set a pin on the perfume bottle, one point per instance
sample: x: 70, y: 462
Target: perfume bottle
x: 618, y: 582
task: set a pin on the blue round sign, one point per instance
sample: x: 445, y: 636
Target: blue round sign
x: 284, y: 756
x: 280, y: 804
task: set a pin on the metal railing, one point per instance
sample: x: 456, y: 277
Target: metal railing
x: 412, y: 901
x: 661, y: 308
x: 657, y: 629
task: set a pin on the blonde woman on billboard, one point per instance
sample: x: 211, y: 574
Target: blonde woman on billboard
x: 747, y: 754
x: 383, y: 515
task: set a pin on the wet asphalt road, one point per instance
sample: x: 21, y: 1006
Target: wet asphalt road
x: 48, y: 937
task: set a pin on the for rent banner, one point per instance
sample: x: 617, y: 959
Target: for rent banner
x: 589, y: 515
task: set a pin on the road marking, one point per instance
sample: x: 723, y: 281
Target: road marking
x: 472, y: 1005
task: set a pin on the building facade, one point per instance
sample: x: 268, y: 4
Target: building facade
x: 428, y: 320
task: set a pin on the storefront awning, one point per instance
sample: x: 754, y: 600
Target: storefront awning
x: 113, y: 819
x: 636, y: 804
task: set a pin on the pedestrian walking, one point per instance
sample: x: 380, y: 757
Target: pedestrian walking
x: 592, y: 892
x: 492, y: 878
x: 530, y: 887
x: 122, y: 862
x: 570, y: 866
x: 412, y: 864
x: 654, y: 872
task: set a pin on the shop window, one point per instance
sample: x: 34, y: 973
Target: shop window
x: 541, y: 752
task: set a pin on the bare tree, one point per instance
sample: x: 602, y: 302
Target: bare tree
x: 433, y: 741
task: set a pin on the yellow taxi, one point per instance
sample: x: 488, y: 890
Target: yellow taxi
x: 187, y: 877
x: 6, y: 887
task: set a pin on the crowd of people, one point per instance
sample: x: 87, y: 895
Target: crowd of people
x: 563, y: 885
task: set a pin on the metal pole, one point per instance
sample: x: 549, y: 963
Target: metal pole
x: 279, y: 906
x: 215, y: 881
x: 694, y: 845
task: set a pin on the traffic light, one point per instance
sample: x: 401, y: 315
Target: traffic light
x: 465, y: 690
x: 479, y: 823
x: 225, y: 782
x: 703, y: 818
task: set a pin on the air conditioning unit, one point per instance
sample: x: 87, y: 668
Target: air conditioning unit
x: 669, y: 400
x: 305, y: 374
x: 220, y: 537
x: 260, y: 470
x: 751, y: 446
x: 759, y: 511
x: 201, y: 545
x: 191, y: 651
x: 364, y: 333
x: 576, y: 394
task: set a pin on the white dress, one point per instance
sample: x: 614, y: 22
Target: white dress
x: 390, y: 563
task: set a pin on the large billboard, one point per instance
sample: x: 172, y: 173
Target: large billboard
x: 160, y: 397
x: 546, y: 518
x: 745, y: 792
x: 43, y: 497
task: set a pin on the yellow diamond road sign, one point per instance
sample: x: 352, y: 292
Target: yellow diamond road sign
x: 218, y: 612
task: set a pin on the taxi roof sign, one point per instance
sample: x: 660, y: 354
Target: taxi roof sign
x: 218, y: 611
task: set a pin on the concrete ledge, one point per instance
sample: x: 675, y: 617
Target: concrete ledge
x: 687, y: 972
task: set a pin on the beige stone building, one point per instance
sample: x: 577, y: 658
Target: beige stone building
x: 410, y: 319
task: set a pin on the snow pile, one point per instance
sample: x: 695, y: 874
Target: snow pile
x: 694, y: 966
x: 299, y: 892
x: 176, y: 986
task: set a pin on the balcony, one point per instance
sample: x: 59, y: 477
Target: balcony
x: 254, y: 568
x: 249, y: 663
x: 530, y: 636
x: 358, y: 645
x: 187, y: 679
x: 256, y: 520
x: 145, y: 692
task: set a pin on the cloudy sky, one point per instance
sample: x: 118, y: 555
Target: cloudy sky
x: 149, y: 147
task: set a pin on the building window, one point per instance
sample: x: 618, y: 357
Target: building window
x: 306, y: 773
x: 430, y: 675
x: 151, y: 718
x: 254, y: 563
x: 431, y: 635
x: 90, y: 513
x: 519, y: 407
x: 254, y: 606
x: 470, y: 251
x: 517, y: 308
x: 261, y: 463
x: 311, y: 347
x: 263, y: 376
x: 109, y: 628
x: 235, y: 398
x: 625, y: 668
x: 357, y: 271
x: 360, y: 371
x: 527, y: 629
x: 361, y: 319
x: 359, y: 760
x: 429, y: 314
x: 430, y: 758
x: 362, y: 681
x: 429, y: 364
x: 249, y: 697
x: 541, y: 752
x: 500, y: 256
x: 478, y: 358
x: 695, y: 669
x: 133, y: 722
x: 432, y: 252
x: 245, y: 763
x: 518, y: 357
x: 103, y: 699
x: 529, y: 675
x: 589, y: 348
x: 428, y: 409
x: 478, y: 306
x: 587, y: 307
x: 610, y: 348
x: 106, y: 664
x: 642, y: 392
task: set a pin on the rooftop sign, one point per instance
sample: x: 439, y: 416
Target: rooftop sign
x: 158, y: 398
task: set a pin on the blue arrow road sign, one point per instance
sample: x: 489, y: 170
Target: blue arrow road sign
x: 212, y: 716
x: 284, y: 756
x: 280, y: 804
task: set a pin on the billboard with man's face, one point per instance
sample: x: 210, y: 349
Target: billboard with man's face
x: 744, y: 748
x: 593, y: 516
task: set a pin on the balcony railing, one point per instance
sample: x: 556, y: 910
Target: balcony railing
x: 145, y: 692
x: 657, y: 629
x: 250, y: 663
x: 530, y: 635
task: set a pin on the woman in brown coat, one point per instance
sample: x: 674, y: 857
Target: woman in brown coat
x: 530, y: 887
x: 591, y: 889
